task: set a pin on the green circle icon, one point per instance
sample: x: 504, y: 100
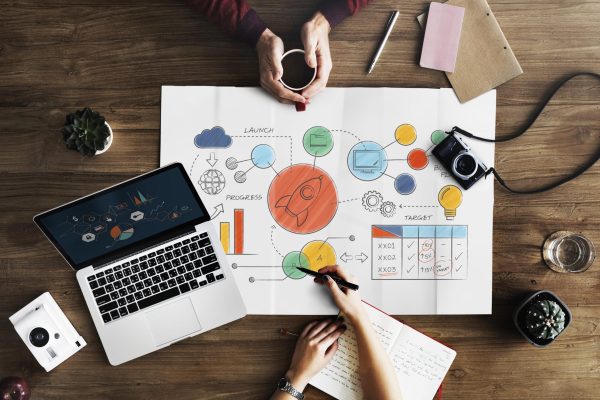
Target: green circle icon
x: 318, y: 141
x: 293, y: 260
x: 437, y: 136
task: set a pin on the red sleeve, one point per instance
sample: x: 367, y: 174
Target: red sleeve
x: 234, y: 16
x: 337, y: 10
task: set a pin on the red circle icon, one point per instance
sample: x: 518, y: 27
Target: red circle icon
x: 417, y: 159
x: 302, y: 198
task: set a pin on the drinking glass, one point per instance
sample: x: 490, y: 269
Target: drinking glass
x: 565, y: 251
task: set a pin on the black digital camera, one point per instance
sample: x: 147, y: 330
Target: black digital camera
x: 459, y: 160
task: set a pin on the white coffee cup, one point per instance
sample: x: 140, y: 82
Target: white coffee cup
x: 296, y: 89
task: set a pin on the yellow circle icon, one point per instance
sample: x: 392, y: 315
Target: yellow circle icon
x: 319, y: 254
x: 406, y: 134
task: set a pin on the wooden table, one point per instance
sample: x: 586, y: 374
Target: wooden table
x: 113, y: 55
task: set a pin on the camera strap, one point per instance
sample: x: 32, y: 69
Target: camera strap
x: 528, y: 125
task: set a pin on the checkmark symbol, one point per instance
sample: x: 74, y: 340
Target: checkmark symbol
x: 410, y: 245
x: 410, y: 269
x: 459, y: 267
x: 458, y: 256
x: 411, y: 257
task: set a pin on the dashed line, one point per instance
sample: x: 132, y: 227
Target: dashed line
x: 345, y: 201
x: 349, y: 133
x: 192, y: 167
x: 273, y: 244
x: 403, y: 206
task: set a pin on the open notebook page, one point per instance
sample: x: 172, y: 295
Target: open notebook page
x: 420, y: 362
x: 340, y: 377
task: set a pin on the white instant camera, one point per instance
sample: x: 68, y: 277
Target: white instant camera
x: 47, y: 332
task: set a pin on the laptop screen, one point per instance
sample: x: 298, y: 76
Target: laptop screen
x: 117, y: 221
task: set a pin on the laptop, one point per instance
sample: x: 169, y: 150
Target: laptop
x: 148, y: 261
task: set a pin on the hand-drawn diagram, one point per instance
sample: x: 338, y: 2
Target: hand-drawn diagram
x: 419, y: 251
x: 339, y: 184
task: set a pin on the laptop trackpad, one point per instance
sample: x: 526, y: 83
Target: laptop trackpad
x: 173, y: 321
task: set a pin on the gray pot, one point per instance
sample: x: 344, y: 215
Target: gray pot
x: 518, y: 316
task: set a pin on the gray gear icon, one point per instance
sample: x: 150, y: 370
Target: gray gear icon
x: 372, y: 200
x: 388, y: 209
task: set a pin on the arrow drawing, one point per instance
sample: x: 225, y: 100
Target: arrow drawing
x: 362, y: 257
x: 212, y: 160
x: 218, y: 210
x: 345, y: 257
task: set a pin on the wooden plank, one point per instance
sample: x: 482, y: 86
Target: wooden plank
x: 60, y: 55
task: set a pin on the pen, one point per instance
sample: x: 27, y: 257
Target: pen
x: 388, y: 30
x: 337, y: 280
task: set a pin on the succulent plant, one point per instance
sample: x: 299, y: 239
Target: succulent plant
x: 545, y: 319
x: 86, y: 131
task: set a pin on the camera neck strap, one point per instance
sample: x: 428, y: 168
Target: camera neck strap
x: 579, y: 171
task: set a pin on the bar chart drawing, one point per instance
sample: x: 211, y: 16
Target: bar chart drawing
x: 225, y: 236
x: 419, y: 252
x: 236, y: 237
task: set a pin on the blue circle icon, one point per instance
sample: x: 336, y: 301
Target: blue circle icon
x: 405, y: 184
x: 367, y: 161
x: 263, y: 156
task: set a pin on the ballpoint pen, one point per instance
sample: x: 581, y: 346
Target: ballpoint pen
x: 337, y: 280
x: 388, y: 30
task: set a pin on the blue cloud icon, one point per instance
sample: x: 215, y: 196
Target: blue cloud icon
x: 211, y: 138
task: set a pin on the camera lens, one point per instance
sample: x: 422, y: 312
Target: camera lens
x: 39, y: 337
x: 464, y: 165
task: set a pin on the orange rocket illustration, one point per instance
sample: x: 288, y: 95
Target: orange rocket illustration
x: 301, y: 199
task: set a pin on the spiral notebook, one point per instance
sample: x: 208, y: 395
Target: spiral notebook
x: 420, y: 362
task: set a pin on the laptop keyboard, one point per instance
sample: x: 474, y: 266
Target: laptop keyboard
x: 167, y: 272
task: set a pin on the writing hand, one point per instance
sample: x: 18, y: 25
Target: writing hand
x: 348, y: 301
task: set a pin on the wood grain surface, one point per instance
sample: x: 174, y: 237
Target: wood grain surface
x: 113, y: 55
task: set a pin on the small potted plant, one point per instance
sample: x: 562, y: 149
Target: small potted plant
x: 14, y: 388
x: 541, y: 318
x: 87, y: 132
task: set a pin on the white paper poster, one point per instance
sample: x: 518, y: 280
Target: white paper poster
x: 350, y: 181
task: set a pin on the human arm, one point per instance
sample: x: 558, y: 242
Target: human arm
x: 377, y: 375
x: 315, y: 38
x: 235, y: 17
x: 315, y: 347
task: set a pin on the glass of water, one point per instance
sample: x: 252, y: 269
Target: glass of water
x: 565, y: 251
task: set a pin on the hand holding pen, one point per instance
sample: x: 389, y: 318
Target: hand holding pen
x: 347, y: 300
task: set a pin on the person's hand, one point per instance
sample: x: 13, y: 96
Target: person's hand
x: 315, y: 37
x: 348, y: 301
x: 270, y: 50
x: 315, y: 347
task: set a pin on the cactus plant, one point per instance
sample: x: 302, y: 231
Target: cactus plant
x: 86, y: 131
x: 545, y: 319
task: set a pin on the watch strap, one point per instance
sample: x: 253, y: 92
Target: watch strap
x: 286, y: 386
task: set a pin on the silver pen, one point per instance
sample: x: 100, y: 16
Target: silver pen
x: 388, y: 30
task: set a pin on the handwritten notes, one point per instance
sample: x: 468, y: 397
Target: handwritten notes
x: 420, y: 362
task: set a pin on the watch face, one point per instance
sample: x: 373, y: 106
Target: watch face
x: 282, y: 383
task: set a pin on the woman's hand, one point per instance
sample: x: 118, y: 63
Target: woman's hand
x: 348, y: 301
x: 315, y: 37
x: 270, y: 50
x: 315, y: 347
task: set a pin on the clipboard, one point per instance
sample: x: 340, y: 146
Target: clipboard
x: 485, y: 59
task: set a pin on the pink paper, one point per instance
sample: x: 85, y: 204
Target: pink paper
x: 442, y: 37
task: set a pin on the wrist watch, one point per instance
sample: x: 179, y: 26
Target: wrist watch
x: 285, y: 386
